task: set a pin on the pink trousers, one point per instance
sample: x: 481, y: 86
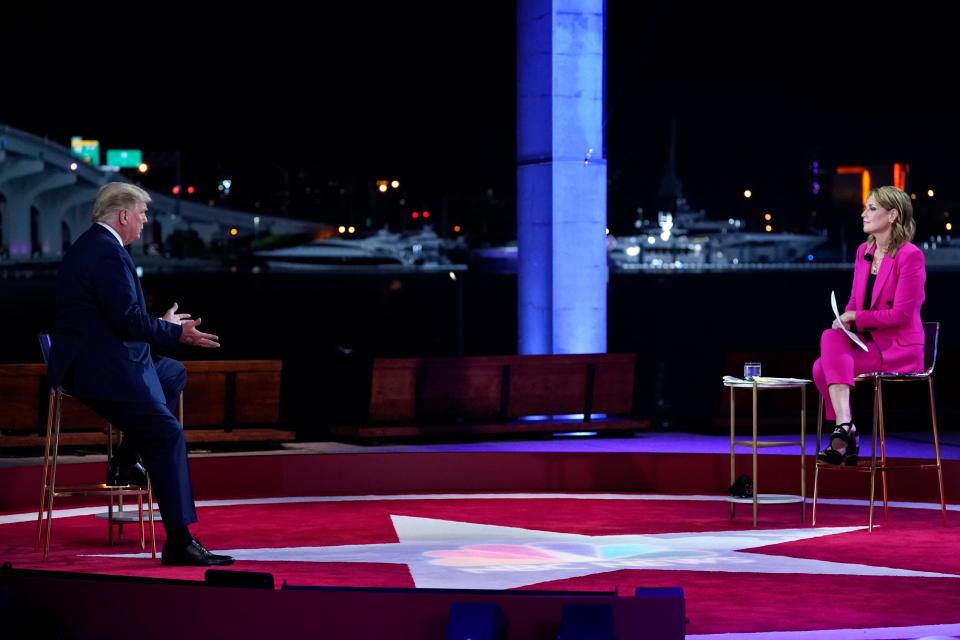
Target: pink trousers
x: 840, y: 360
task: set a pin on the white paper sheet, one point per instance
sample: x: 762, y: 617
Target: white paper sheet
x: 850, y: 334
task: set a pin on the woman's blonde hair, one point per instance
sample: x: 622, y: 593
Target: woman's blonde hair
x: 904, y: 226
x: 114, y: 196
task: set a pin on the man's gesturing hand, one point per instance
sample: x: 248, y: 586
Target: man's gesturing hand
x: 172, y: 316
x: 195, y: 338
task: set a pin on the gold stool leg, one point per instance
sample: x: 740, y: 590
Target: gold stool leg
x: 45, y: 476
x: 936, y: 450
x: 816, y: 464
x: 756, y: 479
x: 803, y: 455
x: 143, y: 538
x: 53, y: 473
x: 883, y: 453
x: 153, y: 531
x: 733, y: 453
x: 873, y: 453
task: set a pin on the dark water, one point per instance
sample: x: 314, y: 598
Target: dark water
x: 687, y: 329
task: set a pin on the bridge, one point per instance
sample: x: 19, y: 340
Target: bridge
x: 47, y: 194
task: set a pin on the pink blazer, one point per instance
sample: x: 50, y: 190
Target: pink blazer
x: 893, y: 318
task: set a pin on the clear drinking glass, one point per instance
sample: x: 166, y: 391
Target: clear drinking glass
x: 751, y: 370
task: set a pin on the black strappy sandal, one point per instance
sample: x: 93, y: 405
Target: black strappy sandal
x: 845, y: 439
x: 852, y: 456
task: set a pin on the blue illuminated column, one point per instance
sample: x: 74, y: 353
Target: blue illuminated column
x: 561, y: 177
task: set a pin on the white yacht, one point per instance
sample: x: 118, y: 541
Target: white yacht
x: 689, y: 239
x: 384, y: 250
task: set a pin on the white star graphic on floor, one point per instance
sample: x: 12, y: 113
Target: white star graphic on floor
x: 446, y: 554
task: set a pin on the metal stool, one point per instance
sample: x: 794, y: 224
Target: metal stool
x: 931, y: 332
x: 48, y: 482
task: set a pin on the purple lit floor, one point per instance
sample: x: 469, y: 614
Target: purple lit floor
x: 904, y: 445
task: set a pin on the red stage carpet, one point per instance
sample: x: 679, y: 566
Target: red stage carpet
x: 782, y: 576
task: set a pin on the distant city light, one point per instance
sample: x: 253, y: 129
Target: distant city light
x: 747, y: 193
x: 426, y: 214
x: 768, y: 217
x: 351, y: 229
x: 342, y: 229
x: 456, y: 228
x: 633, y: 251
x: 143, y: 167
x: 913, y: 196
x: 256, y: 219
x: 809, y: 257
x: 395, y: 184
x: 415, y: 215
x: 768, y: 228
x: 949, y: 226
x: 234, y: 231
x: 176, y: 190
x: 651, y: 240
x: 73, y: 166
x: 190, y: 189
x: 383, y: 188
x: 607, y: 230
x: 452, y: 275
x: 930, y: 192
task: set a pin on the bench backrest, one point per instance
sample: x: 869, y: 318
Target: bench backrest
x: 500, y: 387
x: 227, y: 392
x: 232, y: 392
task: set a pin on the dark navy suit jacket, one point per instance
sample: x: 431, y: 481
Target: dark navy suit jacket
x: 103, y: 334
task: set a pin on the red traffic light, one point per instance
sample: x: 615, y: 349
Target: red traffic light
x: 190, y: 189
x: 176, y: 190
x: 415, y: 215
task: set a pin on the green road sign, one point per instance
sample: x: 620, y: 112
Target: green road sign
x: 86, y: 150
x: 124, y: 158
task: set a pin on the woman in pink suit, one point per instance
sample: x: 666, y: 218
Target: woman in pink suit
x: 884, y: 309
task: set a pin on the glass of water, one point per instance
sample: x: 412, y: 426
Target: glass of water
x: 751, y: 370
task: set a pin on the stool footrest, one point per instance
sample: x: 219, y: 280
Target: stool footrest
x: 762, y: 444
x: 767, y: 498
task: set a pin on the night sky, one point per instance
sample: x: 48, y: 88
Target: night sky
x: 305, y: 110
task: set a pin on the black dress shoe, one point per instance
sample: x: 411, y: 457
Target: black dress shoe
x: 124, y: 474
x: 193, y: 554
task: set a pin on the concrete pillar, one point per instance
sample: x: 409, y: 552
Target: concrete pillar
x: 16, y: 219
x: 561, y: 177
x: 54, y: 204
x: 168, y: 224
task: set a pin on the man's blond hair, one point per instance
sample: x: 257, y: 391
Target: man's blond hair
x: 114, y: 196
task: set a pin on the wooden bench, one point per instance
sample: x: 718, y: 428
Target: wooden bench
x: 458, y: 397
x: 224, y: 401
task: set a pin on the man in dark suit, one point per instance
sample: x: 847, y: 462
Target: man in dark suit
x: 102, y: 354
